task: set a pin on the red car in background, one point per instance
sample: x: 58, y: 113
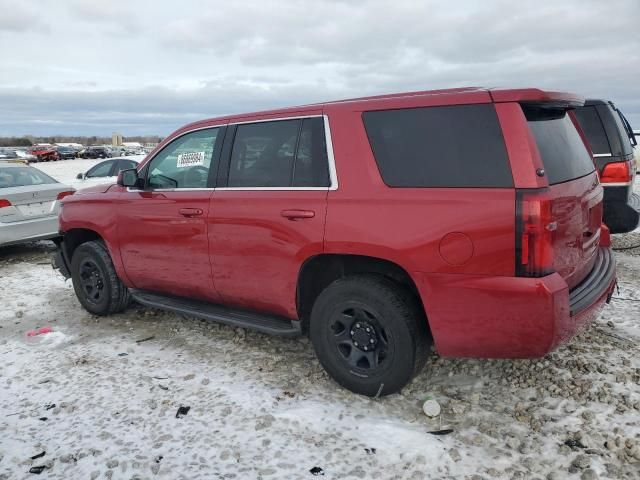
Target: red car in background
x: 467, y: 219
x: 44, y: 153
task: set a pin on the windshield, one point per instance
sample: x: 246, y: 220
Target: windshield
x: 23, y: 177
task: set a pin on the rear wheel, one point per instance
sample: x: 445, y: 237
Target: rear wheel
x: 369, y: 333
x: 95, y: 280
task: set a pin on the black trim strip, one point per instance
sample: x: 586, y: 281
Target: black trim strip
x: 595, y: 284
x: 261, y: 322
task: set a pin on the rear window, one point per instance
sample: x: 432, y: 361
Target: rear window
x: 450, y: 146
x: 591, y: 124
x: 564, y: 154
x: 23, y: 177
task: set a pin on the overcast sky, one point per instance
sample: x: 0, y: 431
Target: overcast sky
x: 92, y: 67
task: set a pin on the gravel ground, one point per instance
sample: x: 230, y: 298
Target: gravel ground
x: 262, y: 407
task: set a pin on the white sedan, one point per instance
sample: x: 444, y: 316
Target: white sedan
x: 105, y: 172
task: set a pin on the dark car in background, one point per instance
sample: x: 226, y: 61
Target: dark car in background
x: 97, y: 152
x: 612, y: 142
x: 66, y: 153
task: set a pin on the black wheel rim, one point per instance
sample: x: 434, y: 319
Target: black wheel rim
x: 360, y: 340
x: 92, y: 281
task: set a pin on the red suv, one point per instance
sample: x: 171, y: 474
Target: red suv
x: 469, y: 219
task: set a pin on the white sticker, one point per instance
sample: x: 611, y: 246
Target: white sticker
x: 190, y: 159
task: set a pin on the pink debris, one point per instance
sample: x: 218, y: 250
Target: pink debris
x: 39, y: 331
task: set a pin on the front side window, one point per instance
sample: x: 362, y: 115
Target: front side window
x: 101, y: 170
x: 126, y: 165
x: 185, y: 162
x: 283, y: 153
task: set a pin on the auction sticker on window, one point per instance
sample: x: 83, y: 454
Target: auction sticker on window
x: 190, y: 159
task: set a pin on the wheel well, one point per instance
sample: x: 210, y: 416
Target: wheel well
x: 76, y: 237
x: 318, y: 272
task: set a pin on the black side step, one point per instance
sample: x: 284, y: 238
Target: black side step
x: 218, y: 313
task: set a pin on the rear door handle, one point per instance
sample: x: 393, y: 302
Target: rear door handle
x: 191, y: 212
x: 297, y: 214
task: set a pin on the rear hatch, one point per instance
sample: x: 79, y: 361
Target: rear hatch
x: 26, y: 193
x: 559, y: 226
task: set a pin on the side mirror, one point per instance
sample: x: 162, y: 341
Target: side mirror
x: 129, y: 178
x: 80, y: 176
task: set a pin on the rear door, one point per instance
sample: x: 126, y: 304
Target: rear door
x: 163, y: 228
x: 269, y: 216
x: 574, y: 192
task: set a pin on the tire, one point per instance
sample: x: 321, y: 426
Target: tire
x: 370, y: 334
x: 95, y: 280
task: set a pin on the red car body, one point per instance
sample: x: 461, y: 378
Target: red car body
x: 44, y: 153
x: 248, y: 248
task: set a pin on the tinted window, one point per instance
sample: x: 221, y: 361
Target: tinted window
x: 564, y: 154
x: 281, y: 153
x: 185, y: 162
x: 126, y: 165
x: 23, y: 176
x: 452, y: 146
x: 101, y: 170
x: 591, y: 124
x: 627, y: 149
x: 263, y: 154
x: 311, y: 166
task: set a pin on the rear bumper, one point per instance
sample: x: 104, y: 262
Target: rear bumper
x: 621, y: 209
x: 512, y: 317
x: 29, y: 230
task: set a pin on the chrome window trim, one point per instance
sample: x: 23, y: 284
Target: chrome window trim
x: 602, y: 155
x: 615, y: 184
x: 333, y: 175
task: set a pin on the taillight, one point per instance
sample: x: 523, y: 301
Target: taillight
x: 61, y: 195
x: 535, y: 229
x: 4, y: 203
x: 616, y: 172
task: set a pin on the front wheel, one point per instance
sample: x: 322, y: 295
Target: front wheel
x: 369, y: 333
x: 95, y: 280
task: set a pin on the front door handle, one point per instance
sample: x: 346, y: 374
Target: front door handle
x: 191, y: 212
x: 297, y: 214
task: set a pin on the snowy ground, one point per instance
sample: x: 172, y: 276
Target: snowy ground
x: 102, y: 405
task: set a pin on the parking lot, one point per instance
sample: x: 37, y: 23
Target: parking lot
x: 101, y: 396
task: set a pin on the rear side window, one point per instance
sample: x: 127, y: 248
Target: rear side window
x: 564, y: 154
x: 591, y: 124
x: 283, y: 153
x: 450, y: 146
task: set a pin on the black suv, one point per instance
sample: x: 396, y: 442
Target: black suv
x: 611, y: 139
x: 96, y: 152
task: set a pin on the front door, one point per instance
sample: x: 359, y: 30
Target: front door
x: 162, y: 228
x: 269, y: 216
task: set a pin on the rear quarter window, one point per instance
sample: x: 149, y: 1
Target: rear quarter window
x: 564, y: 154
x: 449, y: 146
x: 591, y: 124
